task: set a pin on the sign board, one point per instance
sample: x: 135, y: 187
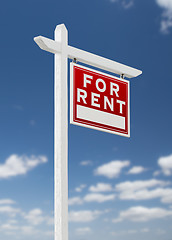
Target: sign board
x: 99, y: 100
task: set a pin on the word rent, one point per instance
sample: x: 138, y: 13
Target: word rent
x: 102, y: 88
x: 99, y: 100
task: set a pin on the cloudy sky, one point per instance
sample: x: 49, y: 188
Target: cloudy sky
x: 119, y: 188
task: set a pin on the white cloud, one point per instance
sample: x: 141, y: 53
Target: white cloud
x: 50, y: 233
x: 32, y: 122
x: 131, y: 231
x: 91, y: 197
x: 9, y: 210
x: 18, y: 230
x: 49, y: 220
x: 83, y: 231
x: 18, y: 107
x: 160, y: 231
x: 6, y: 201
x: 156, y: 173
x: 35, y: 216
x: 9, y: 226
x: 111, y: 169
x: 83, y: 216
x: 124, y: 232
x: 20, y: 165
x: 75, y: 201
x: 166, y: 164
x: 136, y: 170
x: 164, y: 194
x: 142, y: 214
x: 15, y: 222
x: 137, y: 185
x: 139, y: 190
x: 167, y: 4
x: 86, y: 163
x: 166, y: 21
x: 28, y: 230
x: 145, y: 230
x: 125, y: 3
x: 101, y: 187
x: 80, y: 188
x: 97, y: 197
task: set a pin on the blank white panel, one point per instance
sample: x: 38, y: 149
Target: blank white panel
x: 100, y: 117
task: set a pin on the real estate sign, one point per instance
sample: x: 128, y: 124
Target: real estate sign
x: 99, y: 100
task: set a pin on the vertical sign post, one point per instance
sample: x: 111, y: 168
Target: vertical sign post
x: 62, y: 52
x: 61, y: 137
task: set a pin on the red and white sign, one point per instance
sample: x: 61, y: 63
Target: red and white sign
x: 99, y: 101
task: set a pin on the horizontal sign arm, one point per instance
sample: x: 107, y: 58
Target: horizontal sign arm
x: 103, y: 63
x: 48, y: 44
x: 88, y: 58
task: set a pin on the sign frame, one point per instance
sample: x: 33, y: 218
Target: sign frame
x: 62, y: 51
x: 72, y: 121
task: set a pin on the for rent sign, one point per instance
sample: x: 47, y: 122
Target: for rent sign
x: 99, y: 101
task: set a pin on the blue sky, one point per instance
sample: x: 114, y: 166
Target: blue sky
x: 119, y: 188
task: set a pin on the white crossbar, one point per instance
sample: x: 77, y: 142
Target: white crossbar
x: 88, y: 58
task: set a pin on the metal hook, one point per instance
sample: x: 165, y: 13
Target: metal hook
x: 122, y: 76
x: 75, y: 60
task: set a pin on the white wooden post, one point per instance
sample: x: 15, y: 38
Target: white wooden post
x: 61, y: 137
